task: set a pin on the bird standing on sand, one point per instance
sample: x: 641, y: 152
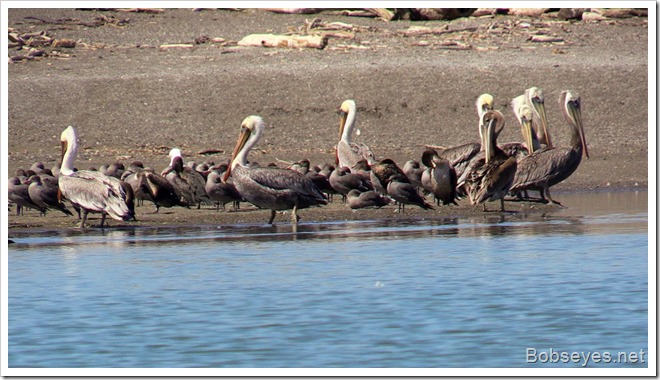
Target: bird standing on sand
x: 349, y: 153
x: 92, y: 191
x: 270, y: 188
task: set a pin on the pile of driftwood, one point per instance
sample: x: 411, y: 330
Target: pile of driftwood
x: 33, y: 45
x: 415, y: 14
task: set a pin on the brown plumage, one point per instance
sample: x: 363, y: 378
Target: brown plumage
x: 442, y: 177
x: 548, y: 167
x: 491, y: 179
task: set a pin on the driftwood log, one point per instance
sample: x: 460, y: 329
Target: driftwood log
x: 285, y: 41
x: 295, y: 11
x: 440, y: 13
x: 528, y: 12
x: 544, y: 38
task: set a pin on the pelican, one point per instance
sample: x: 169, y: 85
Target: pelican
x: 92, y: 191
x: 349, y: 153
x: 525, y: 116
x: 18, y: 193
x: 188, y: 183
x: 367, y: 199
x: 491, y: 178
x: 442, y: 177
x: 157, y: 189
x: 401, y: 190
x: 547, y: 167
x: 382, y: 173
x: 45, y: 195
x: 533, y: 97
x: 269, y: 188
x: 221, y: 192
x: 460, y: 156
x: 413, y: 170
x: 343, y: 181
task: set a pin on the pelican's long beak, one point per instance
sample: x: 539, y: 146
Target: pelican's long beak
x: 65, y: 146
x: 343, y: 115
x: 526, y: 129
x: 576, y: 114
x: 539, y: 108
x: 242, y: 140
x: 488, y: 139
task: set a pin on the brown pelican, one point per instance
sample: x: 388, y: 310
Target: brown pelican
x: 413, y: 170
x: 401, y: 190
x: 45, y: 196
x: 382, y: 172
x: 460, y: 156
x: 442, y: 177
x: 157, y: 189
x: 349, y: 153
x: 533, y: 97
x: 18, y: 193
x: 491, y: 178
x: 221, y: 192
x: 525, y: 116
x: 187, y: 182
x: 301, y: 166
x: 367, y: 199
x: 547, y: 167
x: 90, y: 190
x: 269, y: 188
x: 343, y: 181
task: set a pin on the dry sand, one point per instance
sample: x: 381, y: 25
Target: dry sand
x: 131, y: 100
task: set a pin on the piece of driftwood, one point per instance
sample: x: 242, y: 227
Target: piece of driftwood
x: 570, y: 13
x: 387, y: 14
x: 479, y: 12
x: 64, y: 43
x: 296, y: 11
x: 440, y: 13
x: 529, y: 12
x: 614, y: 12
x: 176, y: 46
x: 277, y: 40
x: 592, y: 17
x: 354, y: 13
x: 207, y: 152
x: 423, y: 30
x: 544, y: 38
x: 141, y: 10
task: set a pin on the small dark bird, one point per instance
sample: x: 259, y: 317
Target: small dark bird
x: 370, y: 198
x: 442, y: 177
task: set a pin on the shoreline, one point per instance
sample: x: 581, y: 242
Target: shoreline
x: 132, y: 101
x: 250, y: 216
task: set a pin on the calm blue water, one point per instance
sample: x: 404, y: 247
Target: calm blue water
x: 462, y: 292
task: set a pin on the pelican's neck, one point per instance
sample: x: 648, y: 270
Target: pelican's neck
x: 347, y: 133
x: 69, y: 156
x: 241, y: 156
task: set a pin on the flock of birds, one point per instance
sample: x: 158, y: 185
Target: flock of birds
x: 481, y: 171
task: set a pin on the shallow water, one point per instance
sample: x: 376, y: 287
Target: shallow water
x: 458, y: 292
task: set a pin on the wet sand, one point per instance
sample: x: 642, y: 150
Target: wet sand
x: 131, y: 100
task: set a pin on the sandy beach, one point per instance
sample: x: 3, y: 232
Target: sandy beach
x: 133, y: 96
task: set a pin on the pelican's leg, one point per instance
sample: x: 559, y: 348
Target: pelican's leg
x: 84, y: 219
x: 102, y: 219
x: 272, y: 217
x: 547, y: 192
x: 484, y: 204
x: 501, y: 204
x: 294, y: 215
